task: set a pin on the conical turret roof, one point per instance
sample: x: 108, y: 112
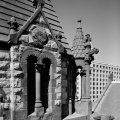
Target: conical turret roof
x: 77, y: 47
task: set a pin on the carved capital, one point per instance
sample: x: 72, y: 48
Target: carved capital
x: 83, y: 72
x: 39, y: 67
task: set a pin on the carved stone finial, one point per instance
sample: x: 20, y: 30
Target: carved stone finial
x: 13, y: 29
x: 37, y: 3
x: 79, y: 24
x: 58, y: 36
x: 13, y: 25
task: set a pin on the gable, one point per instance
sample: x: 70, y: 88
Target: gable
x: 22, y: 10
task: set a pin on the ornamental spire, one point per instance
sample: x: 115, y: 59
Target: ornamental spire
x: 77, y: 47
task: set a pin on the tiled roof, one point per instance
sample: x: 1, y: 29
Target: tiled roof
x: 77, y: 47
x: 22, y: 10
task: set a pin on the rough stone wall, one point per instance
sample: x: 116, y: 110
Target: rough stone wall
x: 19, y: 86
x: 5, y: 78
x: 13, y: 82
x: 18, y: 109
x: 4, y: 70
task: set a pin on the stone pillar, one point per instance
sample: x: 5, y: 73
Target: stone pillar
x: 78, y: 84
x: 83, y: 84
x: 87, y: 66
x: 12, y: 105
x: 84, y: 106
x: 38, y: 103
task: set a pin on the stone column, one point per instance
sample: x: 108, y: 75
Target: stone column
x: 87, y: 65
x: 78, y: 84
x: 83, y: 84
x: 38, y: 103
x: 84, y: 106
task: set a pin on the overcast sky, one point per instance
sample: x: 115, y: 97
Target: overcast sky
x: 100, y: 18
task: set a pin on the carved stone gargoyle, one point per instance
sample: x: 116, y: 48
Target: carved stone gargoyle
x: 88, y: 51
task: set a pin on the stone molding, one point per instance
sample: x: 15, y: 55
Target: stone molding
x: 40, y: 54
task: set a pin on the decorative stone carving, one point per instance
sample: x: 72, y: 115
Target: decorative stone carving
x: 13, y: 25
x: 83, y: 72
x: 88, y: 51
x: 39, y: 67
x: 89, y: 55
x: 13, y: 29
x: 39, y: 36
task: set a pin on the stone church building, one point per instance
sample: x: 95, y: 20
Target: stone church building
x: 36, y: 65
x: 38, y: 69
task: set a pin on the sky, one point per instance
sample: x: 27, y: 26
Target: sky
x: 100, y: 19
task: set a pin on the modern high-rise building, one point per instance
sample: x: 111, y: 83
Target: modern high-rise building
x: 99, y: 77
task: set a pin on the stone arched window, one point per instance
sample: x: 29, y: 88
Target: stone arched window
x: 39, y: 68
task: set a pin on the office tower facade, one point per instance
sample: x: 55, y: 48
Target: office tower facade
x: 99, y: 77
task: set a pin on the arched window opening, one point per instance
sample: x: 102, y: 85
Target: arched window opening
x: 31, y: 60
x: 45, y: 83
